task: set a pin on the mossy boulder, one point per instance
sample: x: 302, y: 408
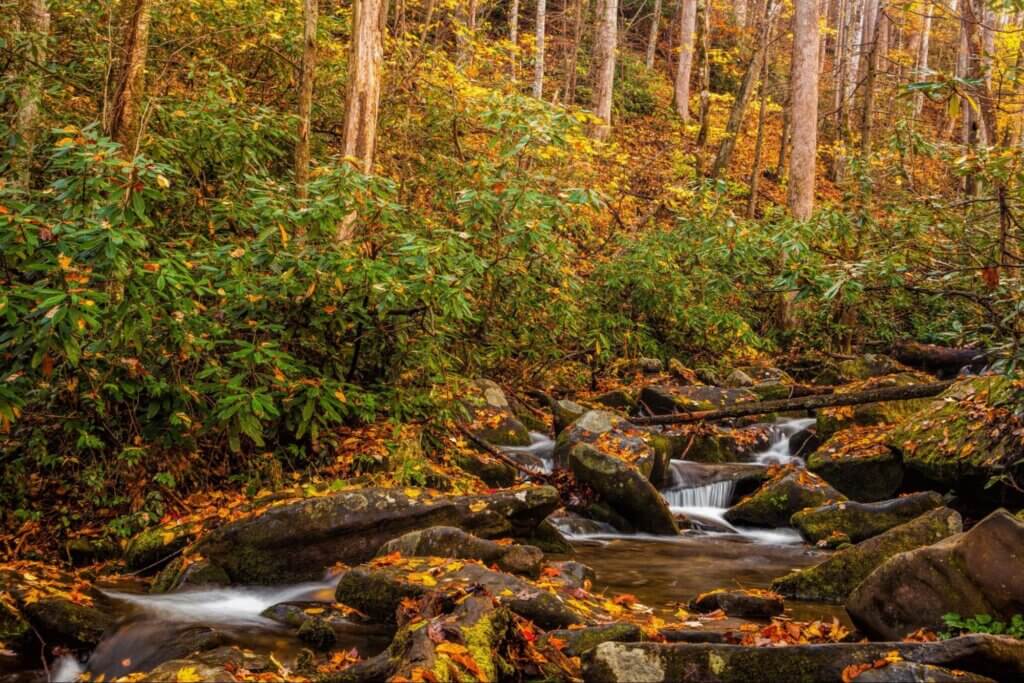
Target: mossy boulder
x: 867, y: 366
x: 832, y: 420
x: 378, y: 588
x: 612, y: 662
x: 966, y: 436
x: 750, y: 603
x: 789, y: 491
x: 834, y: 579
x: 491, y: 417
x: 624, y: 488
x: 977, y: 572
x: 707, y: 443
x: 666, y: 399
x: 178, y: 670
x: 154, y: 548
x: 297, y: 541
x: 859, y: 463
x: 566, y: 412
x: 486, y: 467
x: 446, y: 541
x: 617, y: 399
x: 856, y: 522
x: 15, y: 631
x: 574, y: 642
x: 615, y: 436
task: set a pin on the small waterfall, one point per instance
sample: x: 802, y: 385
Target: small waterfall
x: 778, y: 452
x: 716, y: 495
x: 539, y: 454
x: 66, y: 669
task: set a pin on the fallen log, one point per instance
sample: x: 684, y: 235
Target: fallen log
x: 801, y: 403
x: 946, y: 359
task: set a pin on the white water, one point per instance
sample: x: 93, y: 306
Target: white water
x: 66, y: 669
x: 778, y: 452
x: 541, y: 446
x: 716, y: 495
x: 220, y: 606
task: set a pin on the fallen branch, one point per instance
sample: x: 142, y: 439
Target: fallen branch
x: 941, y: 358
x: 801, y: 403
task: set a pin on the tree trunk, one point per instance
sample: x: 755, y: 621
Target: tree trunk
x: 538, y: 68
x: 310, y: 11
x: 755, y: 171
x: 784, y: 138
x: 466, y: 16
x: 122, y: 112
x: 941, y: 359
x: 814, y: 401
x: 513, y: 23
x: 703, y: 41
x: 605, y: 41
x: 922, y: 55
x: 35, y: 22
x: 573, y: 52
x: 652, y: 36
x: 804, y: 88
x: 687, y: 24
x: 878, y: 25
x: 362, y: 100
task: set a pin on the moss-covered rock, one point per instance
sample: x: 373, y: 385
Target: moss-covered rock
x: 486, y: 467
x: 491, y: 417
x: 574, y: 642
x: 834, y: 579
x: 707, y: 443
x: 178, y: 670
x: 666, y: 399
x: 966, y: 436
x: 860, y: 521
x: 832, y: 420
x: 624, y: 488
x: 788, y: 492
x: 565, y: 413
x: 611, y: 434
x: 998, y: 657
x: 858, y: 462
x: 751, y: 603
x: 977, y: 572
x: 617, y: 399
x: 154, y: 548
x: 867, y: 366
x: 15, y: 631
x: 446, y: 541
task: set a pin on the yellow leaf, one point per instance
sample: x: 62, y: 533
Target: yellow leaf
x: 477, y: 506
x: 449, y: 648
x: 188, y: 674
x: 340, y: 395
x: 412, y: 493
x: 162, y: 181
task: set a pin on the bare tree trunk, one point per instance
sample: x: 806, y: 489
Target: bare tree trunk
x: 513, y: 22
x: 703, y: 42
x: 922, y: 55
x: 755, y: 171
x: 858, y: 8
x: 122, y: 113
x: 573, y: 52
x: 804, y: 87
x: 35, y: 21
x: 784, y: 138
x: 973, y: 17
x: 740, y: 12
x: 878, y: 25
x: 605, y: 41
x: 652, y: 37
x: 466, y: 15
x: 538, y: 67
x: 687, y: 24
x: 362, y: 100
x: 739, y: 105
x: 310, y: 10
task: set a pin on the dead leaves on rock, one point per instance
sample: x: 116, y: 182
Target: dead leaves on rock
x: 783, y: 631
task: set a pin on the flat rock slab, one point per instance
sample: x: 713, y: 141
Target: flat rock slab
x: 977, y: 572
x: 297, y: 541
x: 834, y: 579
x: 853, y: 522
x: 995, y: 656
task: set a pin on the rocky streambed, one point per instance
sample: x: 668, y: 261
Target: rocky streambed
x: 824, y: 546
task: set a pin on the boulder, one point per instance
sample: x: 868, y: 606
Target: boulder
x: 61, y: 608
x: 832, y: 420
x: 977, y: 572
x: 994, y: 656
x: 572, y: 524
x: 707, y: 443
x: 153, y: 644
x: 297, y: 541
x: 966, y: 436
x: 789, y: 491
x: 491, y: 417
x: 615, y: 436
x: 867, y: 366
x: 666, y: 399
x: 618, y: 399
x: 624, y: 489
x: 681, y: 373
x: 178, y: 670
x: 857, y: 462
x: 446, y: 541
x: 154, y: 548
x: 751, y: 603
x: 485, y: 466
x: 574, y: 642
x: 855, y: 522
x: 911, y: 672
x: 834, y: 579
x: 566, y: 412
x: 378, y: 589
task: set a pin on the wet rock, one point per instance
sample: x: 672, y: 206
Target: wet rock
x: 297, y: 541
x: 15, y: 631
x: 566, y: 412
x: 491, y: 417
x: 577, y: 525
x: 486, y: 467
x: 624, y: 489
x: 691, y: 635
x: 681, y: 373
x: 977, y: 572
x: 999, y: 657
x: 577, y: 641
x: 378, y: 590
x: 706, y: 443
x: 859, y: 521
x: 834, y: 579
x: 619, y: 399
x: 751, y: 603
x: 737, y: 378
x: 966, y: 436
x: 317, y: 633
x: 446, y: 541
x: 173, y: 642
x: 910, y: 672
x: 669, y: 399
x: 867, y: 366
x: 153, y: 548
x: 86, y: 551
x: 859, y: 463
x: 178, y: 670
x: 572, y: 574
x: 613, y: 435
x: 548, y: 538
x: 805, y: 442
x: 790, y: 491
x: 233, y: 658
x: 832, y: 420
x: 746, y: 477
x: 61, y: 608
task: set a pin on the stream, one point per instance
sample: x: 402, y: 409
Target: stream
x: 661, y: 572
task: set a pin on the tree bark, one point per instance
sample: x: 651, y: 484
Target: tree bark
x: 804, y: 88
x: 878, y: 25
x: 35, y: 21
x: 513, y: 22
x: 366, y: 55
x: 703, y: 41
x: 762, y: 109
x: 538, y: 67
x: 605, y: 41
x: 943, y: 359
x: 310, y: 12
x: 122, y: 112
x: 687, y: 24
x: 652, y: 36
x: 904, y: 393
x: 922, y: 55
x: 573, y: 52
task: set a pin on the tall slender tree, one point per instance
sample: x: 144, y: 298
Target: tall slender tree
x: 923, y: 47
x: 307, y: 70
x: 572, y: 54
x: 122, y: 110
x: 687, y: 24
x: 605, y: 43
x: 804, y: 86
x: 34, y: 19
x: 652, y: 35
x: 538, y: 67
